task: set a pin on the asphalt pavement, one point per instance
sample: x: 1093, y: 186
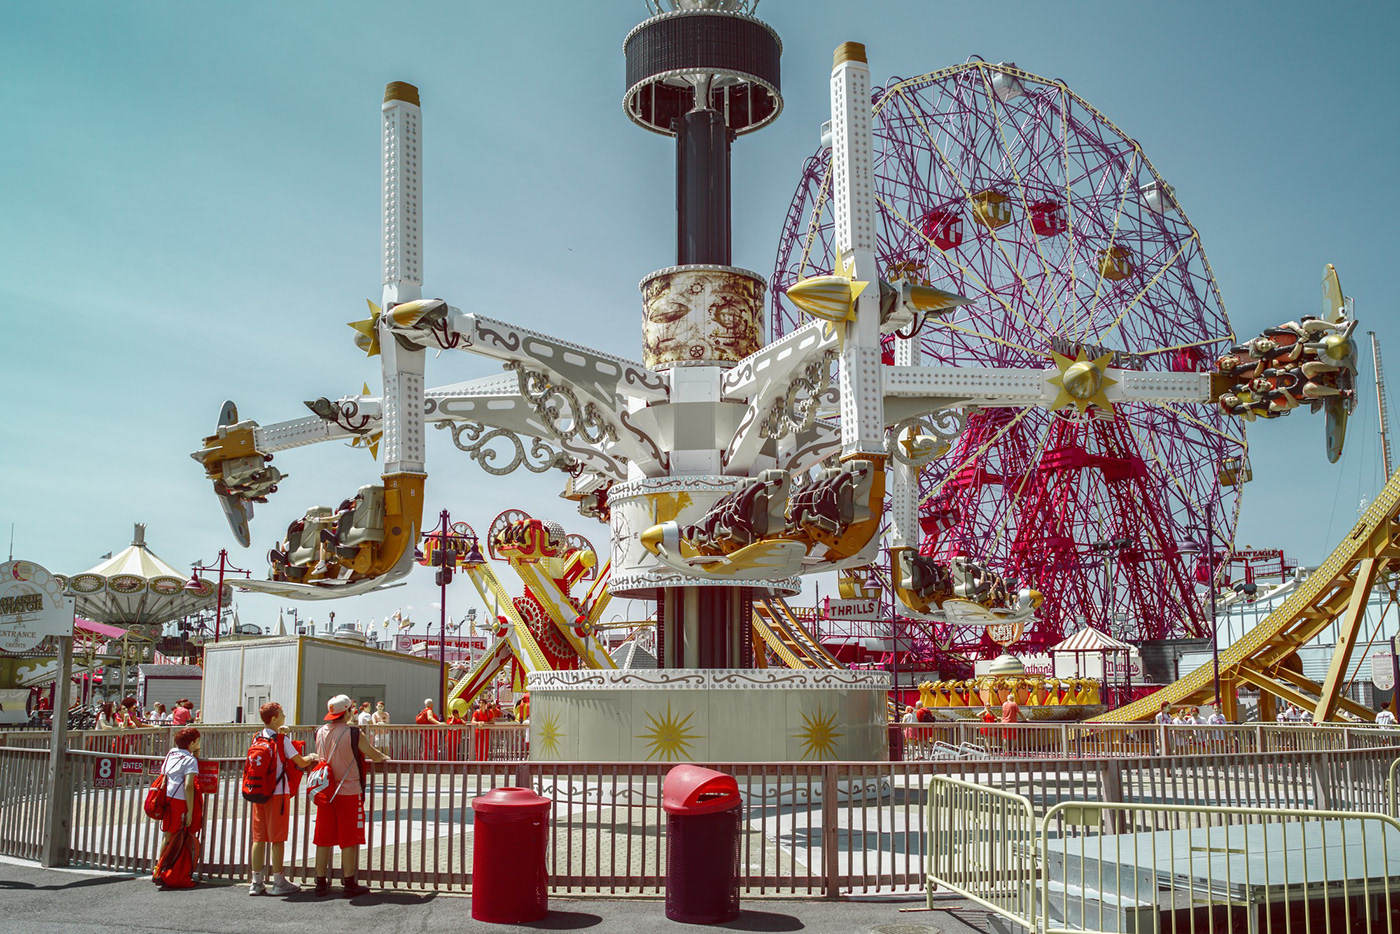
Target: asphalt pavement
x: 34, y: 900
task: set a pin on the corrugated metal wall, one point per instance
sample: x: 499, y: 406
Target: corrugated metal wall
x: 400, y: 681
x: 252, y: 671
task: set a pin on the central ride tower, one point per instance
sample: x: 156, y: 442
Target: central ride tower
x: 703, y: 73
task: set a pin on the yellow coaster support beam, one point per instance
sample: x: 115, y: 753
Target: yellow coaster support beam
x: 1338, y: 590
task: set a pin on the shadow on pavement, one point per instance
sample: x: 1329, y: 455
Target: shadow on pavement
x: 389, y: 898
x: 564, y: 921
x: 763, y: 921
x: 79, y: 884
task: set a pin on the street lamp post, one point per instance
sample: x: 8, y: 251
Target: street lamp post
x: 223, y: 566
x: 1214, y: 620
x: 444, y: 559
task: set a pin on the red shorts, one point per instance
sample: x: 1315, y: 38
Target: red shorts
x: 175, y: 816
x: 270, y: 819
x: 340, y: 823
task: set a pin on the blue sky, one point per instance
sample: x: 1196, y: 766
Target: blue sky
x: 190, y: 213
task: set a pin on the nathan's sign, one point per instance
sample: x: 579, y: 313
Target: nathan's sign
x: 32, y: 606
x: 860, y: 610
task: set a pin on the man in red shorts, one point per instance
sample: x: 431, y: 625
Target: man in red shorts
x: 269, y: 818
x: 341, y: 821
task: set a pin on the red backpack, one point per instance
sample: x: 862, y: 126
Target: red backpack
x: 157, y: 802
x: 260, y: 771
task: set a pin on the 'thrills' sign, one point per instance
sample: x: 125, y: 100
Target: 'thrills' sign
x: 863, y: 610
x: 32, y: 606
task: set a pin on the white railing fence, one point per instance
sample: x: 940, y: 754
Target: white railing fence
x: 1203, y: 868
x: 808, y: 828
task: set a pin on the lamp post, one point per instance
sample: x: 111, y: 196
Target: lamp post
x: 1108, y: 548
x: 1208, y: 551
x: 443, y: 559
x: 874, y: 584
x: 1214, y: 620
x: 223, y: 566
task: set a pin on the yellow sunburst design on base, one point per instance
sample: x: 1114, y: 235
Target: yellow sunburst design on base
x: 1082, y: 381
x: 818, y: 735
x: 670, y: 737
x: 550, y: 736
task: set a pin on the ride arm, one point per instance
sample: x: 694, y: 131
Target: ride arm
x: 480, y: 411
x: 562, y: 613
x: 592, y: 386
x: 526, y: 649
x: 913, y: 391
x: 483, y: 672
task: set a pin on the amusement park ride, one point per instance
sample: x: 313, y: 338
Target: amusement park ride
x: 998, y: 346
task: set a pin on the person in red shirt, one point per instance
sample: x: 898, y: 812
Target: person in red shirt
x: 428, y: 717
x: 182, y: 713
x: 456, y: 724
x: 340, y: 822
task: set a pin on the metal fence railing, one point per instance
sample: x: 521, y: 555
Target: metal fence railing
x: 981, y: 846
x: 808, y: 828
x: 507, y: 742
x: 1111, y: 868
x: 1116, y: 867
x: 971, y: 739
x: 24, y: 800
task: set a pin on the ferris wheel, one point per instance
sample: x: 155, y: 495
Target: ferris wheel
x: 1011, y: 190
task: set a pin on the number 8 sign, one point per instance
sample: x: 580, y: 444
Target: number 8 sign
x: 104, y: 772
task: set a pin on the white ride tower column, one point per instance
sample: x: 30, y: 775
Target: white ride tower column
x: 853, y: 195
x: 402, y: 368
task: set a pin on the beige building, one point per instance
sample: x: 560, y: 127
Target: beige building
x: 303, y: 672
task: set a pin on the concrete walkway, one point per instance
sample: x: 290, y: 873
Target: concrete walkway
x: 52, y: 901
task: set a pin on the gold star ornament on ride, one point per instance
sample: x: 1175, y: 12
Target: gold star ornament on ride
x: 1081, y: 382
x: 367, y: 331
x: 830, y: 298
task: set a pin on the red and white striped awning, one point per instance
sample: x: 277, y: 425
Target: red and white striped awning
x: 1090, y: 639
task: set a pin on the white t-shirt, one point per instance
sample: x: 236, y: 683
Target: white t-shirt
x: 288, y: 751
x: 364, y: 718
x: 1385, y: 718
x: 1164, y: 717
x: 177, y: 768
x: 1216, y: 719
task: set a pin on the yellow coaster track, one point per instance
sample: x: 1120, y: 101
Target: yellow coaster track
x: 1266, y: 656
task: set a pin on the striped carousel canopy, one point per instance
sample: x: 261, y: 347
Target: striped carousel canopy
x: 1090, y: 639
x: 135, y: 587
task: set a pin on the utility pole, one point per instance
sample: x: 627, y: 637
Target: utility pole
x: 1380, y: 401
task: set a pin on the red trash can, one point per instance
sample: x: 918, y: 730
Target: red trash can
x: 509, y: 883
x: 702, y: 845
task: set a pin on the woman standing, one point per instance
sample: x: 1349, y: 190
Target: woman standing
x: 380, y: 719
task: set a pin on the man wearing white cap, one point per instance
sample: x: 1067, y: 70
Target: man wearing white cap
x: 340, y: 822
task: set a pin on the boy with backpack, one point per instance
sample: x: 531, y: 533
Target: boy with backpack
x: 340, y: 817
x: 271, y: 757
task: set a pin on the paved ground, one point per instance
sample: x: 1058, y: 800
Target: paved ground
x: 48, y: 901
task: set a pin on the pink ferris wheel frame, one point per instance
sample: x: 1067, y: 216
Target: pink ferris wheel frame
x: 1010, y: 189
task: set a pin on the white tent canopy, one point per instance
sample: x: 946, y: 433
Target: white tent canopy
x: 1090, y: 639
x: 136, y: 588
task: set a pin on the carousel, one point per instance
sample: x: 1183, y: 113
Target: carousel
x: 138, y: 592
x: 1041, y: 697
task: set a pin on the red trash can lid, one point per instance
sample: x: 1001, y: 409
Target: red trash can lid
x: 690, y: 789
x: 501, y: 800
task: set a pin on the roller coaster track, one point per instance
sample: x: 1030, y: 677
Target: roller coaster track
x: 776, y: 626
x: 1265, y: 657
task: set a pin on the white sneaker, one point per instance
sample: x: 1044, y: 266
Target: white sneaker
x: 257, y: 888
x: 284, y: 888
